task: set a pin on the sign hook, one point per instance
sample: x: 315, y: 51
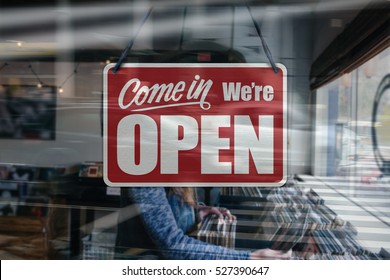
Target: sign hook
x: 131, y: 43
x: 263, y: 42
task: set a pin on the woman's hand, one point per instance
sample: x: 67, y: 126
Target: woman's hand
x: 269, y: 254
x: 204, y: 211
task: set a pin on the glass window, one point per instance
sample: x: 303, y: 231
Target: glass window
x: 352, y: 140
x: 346, y: 112
x: 54, y: 203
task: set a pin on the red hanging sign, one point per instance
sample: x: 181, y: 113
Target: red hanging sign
x: 195, y: 125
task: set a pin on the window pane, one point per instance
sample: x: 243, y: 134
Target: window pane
x: 349, y: 104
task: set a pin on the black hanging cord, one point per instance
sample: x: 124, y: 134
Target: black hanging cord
x: 131, y: 43
x: 182, y: 30
x: 70, y: 75
x: 265, y: 46
x: 35, y: 74
x: 3, y: 66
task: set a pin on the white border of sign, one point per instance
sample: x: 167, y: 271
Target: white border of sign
x: 191, y: 184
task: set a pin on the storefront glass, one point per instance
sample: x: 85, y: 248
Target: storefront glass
x: 54, y: 203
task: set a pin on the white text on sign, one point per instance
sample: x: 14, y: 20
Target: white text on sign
x: 158, y: 94
x: 247, y: 142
